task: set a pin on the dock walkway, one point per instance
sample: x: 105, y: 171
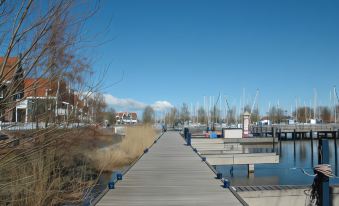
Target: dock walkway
x: 169, y: 174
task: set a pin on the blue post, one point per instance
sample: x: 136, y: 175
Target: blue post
x: 111, y: 185
x: 189, y: 136
x: 273, y: 137
x: 226, y: 183
x: 311, y: 136
x: 294, y: 137
x: 119, y: 176
x: 185, y: 132
x: 324, y: 159
x: 336, y: 152
x: 279, y: 138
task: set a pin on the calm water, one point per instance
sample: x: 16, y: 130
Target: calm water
x: 281, y: 174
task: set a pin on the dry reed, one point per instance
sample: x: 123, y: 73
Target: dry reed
x: 45, y: 171
x: 132, y: 146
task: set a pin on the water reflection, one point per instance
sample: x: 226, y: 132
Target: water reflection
x: 298, y: 155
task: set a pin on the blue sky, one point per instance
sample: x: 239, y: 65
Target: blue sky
x: 180, y: 51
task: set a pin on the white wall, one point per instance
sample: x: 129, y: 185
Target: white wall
x: 232, y: 133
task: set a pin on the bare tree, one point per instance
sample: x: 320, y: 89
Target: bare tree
x: 276, y: 115
x: 184, y: 113
x: 255, y: 116
x: 148, y: 115
x: 39, y: 41
x: 325, y: 114
x: 231, y: 116
x: 202, y: 116
x: 215, y: 114
x: 172, y: 116
x: 304, y: 114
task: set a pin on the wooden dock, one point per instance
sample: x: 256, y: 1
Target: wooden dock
x: 242, y: 159
x: 169, y: 174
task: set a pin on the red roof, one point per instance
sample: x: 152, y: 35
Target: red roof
x: 132, y: 114
x: 10, y: 60
x: 9, y: 71
x: 36, y: 87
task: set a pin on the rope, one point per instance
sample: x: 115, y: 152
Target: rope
x: 314, y: 192
x: 303, y: 171
x: 324, y: 169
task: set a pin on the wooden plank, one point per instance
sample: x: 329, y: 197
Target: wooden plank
x: 169, y: 174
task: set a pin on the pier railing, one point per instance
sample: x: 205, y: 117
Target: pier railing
x: 267, y: 129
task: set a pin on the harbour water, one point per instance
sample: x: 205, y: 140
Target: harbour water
x: 288, y: 171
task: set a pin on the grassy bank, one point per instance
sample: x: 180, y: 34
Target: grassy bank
x: 61, y: 166
x: 137, y: 138
x: 49, y: 167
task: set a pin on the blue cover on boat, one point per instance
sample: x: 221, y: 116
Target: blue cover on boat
x: 213, y: 135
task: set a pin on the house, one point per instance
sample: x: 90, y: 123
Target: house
x: 46, y: 99
x: 126, y: 118
x: 11, y: 86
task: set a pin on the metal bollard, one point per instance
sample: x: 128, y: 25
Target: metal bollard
x: 226, y: 183
x: 189, y: 136
x: 219, y: 176
x: 111, y: 185
x: 119, y: 176
x: 185, y: 132
x: 146, y: 150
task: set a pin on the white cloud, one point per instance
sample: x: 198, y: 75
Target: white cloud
x: 132, y: 104
x: 124, y: 103
x: 161, y: 105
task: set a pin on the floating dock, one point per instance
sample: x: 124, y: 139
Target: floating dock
x: 170, y: 173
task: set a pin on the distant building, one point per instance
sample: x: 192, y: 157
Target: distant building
x: 264, y: 121
x: 43, y: 96
x: 126, y: 118
x: 36, y: 99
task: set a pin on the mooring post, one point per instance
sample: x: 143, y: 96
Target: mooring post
x: 119, y: 176
x: 279, y: 141
x: 111, y: 185
x: 273, y: 137
x: 219, y: 176
x: 226, y: 183
x: 336, y: 152
x: 250, y: 168
x: 294, y: 134
x: 311, y: 136
x: 189, y: 136
x: 323, y: 153
x: 185, y: 132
